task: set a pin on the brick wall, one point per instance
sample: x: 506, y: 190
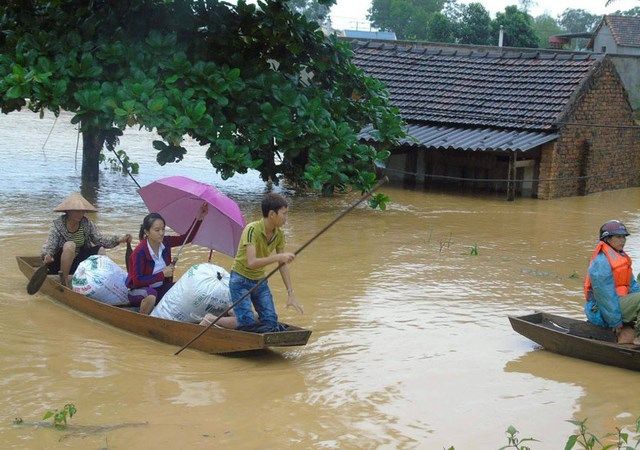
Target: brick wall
x: 609, y: 158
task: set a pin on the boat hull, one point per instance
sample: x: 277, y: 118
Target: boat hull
x: 215, y: 340
x: 576, y: 338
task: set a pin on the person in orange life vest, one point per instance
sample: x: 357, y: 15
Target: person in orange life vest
x: 611, y: 292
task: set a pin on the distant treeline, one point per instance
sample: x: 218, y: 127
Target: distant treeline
x: 450, y: 21
x: 453, y: 22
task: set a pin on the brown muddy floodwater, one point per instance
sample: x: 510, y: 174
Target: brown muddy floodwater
x: 411, y: 346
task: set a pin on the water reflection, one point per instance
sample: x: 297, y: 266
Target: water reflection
x: 603, y: 390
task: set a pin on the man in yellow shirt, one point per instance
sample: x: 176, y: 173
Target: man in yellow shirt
x: 259, y: 240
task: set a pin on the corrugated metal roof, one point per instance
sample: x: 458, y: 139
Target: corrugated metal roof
x: 481, y: 139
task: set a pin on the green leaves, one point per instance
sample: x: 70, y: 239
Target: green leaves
x: 379, y: 201
x: 60, y: 416
x: 168, y: 153
x: 261, y: 87
x: 157, y: 104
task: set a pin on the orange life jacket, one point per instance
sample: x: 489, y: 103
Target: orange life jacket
x: 620, y: 266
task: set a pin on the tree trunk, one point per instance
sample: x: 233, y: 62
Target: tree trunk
x: 92, y: 142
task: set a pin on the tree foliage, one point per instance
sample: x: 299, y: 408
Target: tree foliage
x: 409, y: 19
x: 259, y: 85
x: 474, y: 25
x: 635, y: 11
x: 312, y: 10
x: 545, y: 26
x: 517, y: 26
x: 440, y: 29
x: 578, y: 20
x: 449, y: 21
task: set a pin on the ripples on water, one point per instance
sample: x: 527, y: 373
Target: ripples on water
x: 410, y: 345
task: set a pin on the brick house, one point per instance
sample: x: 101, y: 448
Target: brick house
x: 529, y: 123
x: 619, y: 36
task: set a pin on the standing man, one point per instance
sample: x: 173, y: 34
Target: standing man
x: 255, y: 252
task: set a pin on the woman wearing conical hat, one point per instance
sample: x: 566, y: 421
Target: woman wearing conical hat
x: 73, y: 238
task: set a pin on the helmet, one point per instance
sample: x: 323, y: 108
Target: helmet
x: 613, y: 228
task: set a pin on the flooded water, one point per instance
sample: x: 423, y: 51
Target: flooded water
x: 411, y: 346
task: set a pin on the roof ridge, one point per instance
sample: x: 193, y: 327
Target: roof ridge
x: 480, y: 51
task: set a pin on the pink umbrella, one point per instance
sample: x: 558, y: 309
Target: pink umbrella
x: 178, y: 199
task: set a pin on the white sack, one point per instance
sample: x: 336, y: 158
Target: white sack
x: 204, y: 288
x: 99, y: 278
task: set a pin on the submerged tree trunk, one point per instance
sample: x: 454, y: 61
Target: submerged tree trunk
x: 92, y: 142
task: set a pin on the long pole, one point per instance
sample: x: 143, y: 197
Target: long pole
x: 305, y: 245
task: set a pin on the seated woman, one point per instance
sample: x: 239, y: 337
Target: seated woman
x: 73, y: 238
x: 150, y: 269
x: 611, y: 292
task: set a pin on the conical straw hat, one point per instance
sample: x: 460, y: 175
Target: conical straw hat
x: 75, y: 202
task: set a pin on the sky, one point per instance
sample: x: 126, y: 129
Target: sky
x: 352, y: 14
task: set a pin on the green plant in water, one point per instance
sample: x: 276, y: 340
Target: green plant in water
x: 60, y: 416
x: 379, y: 201
x: 588, y: 440
x: 515, y: 441
x: 474, y: 250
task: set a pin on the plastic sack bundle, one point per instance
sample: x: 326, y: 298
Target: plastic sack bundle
x: 99, y: 278
x: 204, y: 288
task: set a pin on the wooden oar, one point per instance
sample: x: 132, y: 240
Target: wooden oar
x: 305, y: 245
x: 38, y: 277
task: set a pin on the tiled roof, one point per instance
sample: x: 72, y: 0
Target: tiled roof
x: 625, y: 29
x: 470, y: 138
x: 476, y: 86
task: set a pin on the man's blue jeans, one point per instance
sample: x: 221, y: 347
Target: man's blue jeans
x: 261, y: 299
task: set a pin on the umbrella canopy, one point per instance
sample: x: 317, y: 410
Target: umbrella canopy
x: 178, y: 199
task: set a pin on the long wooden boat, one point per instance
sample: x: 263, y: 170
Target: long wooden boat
x: 576, y: 338
x: 215, y: 340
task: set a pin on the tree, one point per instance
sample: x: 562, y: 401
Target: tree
x: 578, y: 20
x: 409, y: 19
x: 259, y: 85
x: 474, y: 25
x: 517, y: 26
x: 526, y: 5
x: 440, y: 28
x: 629, y: 12
x: 312, y: 10
x: 545, y: 26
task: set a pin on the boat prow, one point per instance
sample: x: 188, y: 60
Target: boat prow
x: 215, y: 340
x: 576, y: 338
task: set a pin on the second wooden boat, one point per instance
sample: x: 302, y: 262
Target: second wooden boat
x: 215, y: 340
x: 576, y: 338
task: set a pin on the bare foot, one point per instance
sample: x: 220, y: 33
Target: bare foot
x: 147, y: 304
x: 626, y: 336
x: 65, y: 281
x: 208, y: 319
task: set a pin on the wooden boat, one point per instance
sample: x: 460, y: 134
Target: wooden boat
x: 215, y: 340
x: 576, y: 338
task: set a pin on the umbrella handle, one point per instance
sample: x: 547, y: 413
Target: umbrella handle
x: 186, y: 238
